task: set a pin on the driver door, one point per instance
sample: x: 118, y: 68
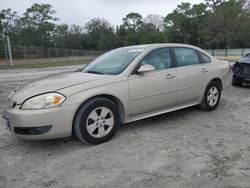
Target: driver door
x: 154, y: 90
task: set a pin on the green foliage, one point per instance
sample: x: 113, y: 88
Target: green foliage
x: 69, y: 36
x: 216, y: 24
x: 183, y: 24
x: 37, y: 25
x: 100, y: 34
x: 134, y: 31
x: 214, y: 3
x: 226, y: 26
x: 212, y: 24
x: 132, y: 21
x: 9, y: 25
x: 156, y: 20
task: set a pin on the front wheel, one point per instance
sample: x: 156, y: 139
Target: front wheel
x: 211, y: 98
x: 96, y: 121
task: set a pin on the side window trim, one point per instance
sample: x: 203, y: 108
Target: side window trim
x: 202, y: 59
x: 138, y: 64
x: 175, y: 58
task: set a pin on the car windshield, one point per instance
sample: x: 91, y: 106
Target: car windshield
x: 113, y: 62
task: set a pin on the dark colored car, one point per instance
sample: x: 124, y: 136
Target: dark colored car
x: 242, y: 71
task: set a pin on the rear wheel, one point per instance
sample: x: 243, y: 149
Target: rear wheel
x: 211, y: 98
x: 96, y: 121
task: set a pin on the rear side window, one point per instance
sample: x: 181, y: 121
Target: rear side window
x: 186, y: 56
x: 205, y: 58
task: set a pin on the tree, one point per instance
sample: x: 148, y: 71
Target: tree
x: 61, y: 35
x: 212, y: 24
x: 148, y: 33
x: 214, y: 3
x: 128, y: 31
x: 226, y: 25
x: 179, y: 23
x: 132, y: 21
x: 38, y: 14
x: 38, y: 25
x: 199, y: 12
x: 10, y: 24
x: 183, y: 25
x: 156, y: 20
x: 69, y: 37
x: 8, y: 20
x: 100, y: 34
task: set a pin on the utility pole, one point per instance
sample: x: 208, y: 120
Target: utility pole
x: 9, y: 49
x: 6, y: 51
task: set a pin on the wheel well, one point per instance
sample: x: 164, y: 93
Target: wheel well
x: 115, y: 100
x: 218, y: 81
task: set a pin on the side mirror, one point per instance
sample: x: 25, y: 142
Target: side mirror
x: 146, y: 68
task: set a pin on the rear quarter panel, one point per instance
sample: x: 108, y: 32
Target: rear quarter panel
x: 220, y: 69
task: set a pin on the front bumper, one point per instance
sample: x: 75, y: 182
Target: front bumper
x: 40, y: 124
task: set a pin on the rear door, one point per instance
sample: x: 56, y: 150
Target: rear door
x: 192, y: 75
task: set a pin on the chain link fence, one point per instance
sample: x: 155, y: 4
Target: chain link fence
x: 229, y: 54
x: 29, y: 52
x: 34, y: 52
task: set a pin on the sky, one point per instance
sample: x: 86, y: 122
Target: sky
x: 81, y: 11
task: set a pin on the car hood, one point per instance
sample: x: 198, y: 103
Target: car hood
x: 51, y: 84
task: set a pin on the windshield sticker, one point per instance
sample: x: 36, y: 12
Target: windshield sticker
x: 136, y: 50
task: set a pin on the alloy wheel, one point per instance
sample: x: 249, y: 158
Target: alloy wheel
x: 100, y: 122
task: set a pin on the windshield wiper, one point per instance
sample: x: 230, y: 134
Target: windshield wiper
x: 94, y: 72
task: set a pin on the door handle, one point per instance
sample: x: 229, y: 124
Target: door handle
x: 204, y: 70
x: 169, y: 76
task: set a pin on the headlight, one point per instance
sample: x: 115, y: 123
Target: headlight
x: 48, y: 100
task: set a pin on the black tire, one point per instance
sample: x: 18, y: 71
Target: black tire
x: 205, y: 105
x: 80, y: 120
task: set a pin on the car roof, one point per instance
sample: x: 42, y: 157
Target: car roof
x: 167, y: 45
x: 161, y: 45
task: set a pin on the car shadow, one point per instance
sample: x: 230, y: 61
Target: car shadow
x: 165, y: 121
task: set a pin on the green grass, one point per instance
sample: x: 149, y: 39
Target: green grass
x: 48, y: 64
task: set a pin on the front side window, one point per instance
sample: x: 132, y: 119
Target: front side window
x: 160, y: 59
x: 113, y: 62
x: 186, y: 56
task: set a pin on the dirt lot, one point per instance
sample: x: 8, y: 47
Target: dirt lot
x: 187, y: 148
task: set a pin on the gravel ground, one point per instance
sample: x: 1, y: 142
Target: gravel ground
x: 187, y: 148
